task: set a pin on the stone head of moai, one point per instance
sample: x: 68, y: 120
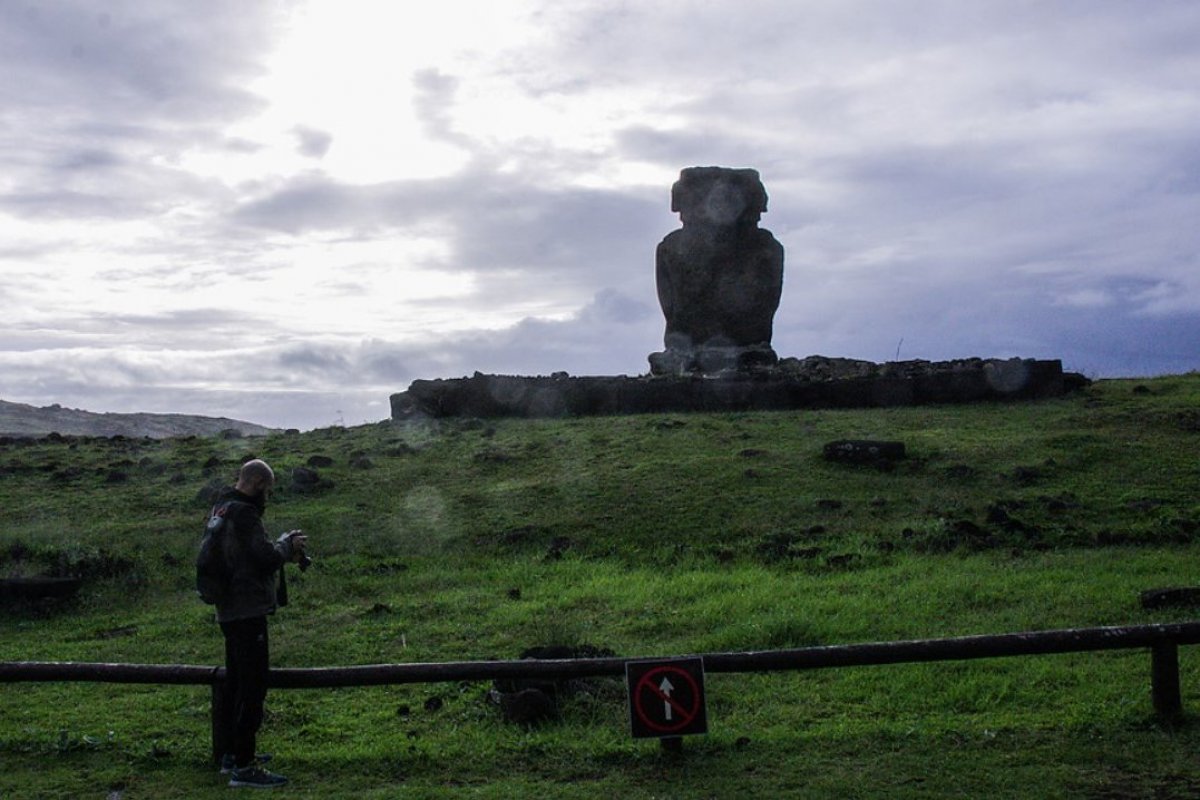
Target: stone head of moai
x: 719, y: 277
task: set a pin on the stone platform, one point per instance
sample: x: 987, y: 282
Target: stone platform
x: 813, y: 382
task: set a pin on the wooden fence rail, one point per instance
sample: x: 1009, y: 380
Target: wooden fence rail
x: 1163, y: 642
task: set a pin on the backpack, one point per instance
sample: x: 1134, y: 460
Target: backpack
x: 212, y: 569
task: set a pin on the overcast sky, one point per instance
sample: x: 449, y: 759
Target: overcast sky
x: 283, y: 212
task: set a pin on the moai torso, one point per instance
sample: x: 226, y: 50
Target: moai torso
x: 719, y: 277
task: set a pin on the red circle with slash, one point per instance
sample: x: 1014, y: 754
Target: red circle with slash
x: 648, y: 687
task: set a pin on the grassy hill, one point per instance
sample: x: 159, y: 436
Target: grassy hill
x: 19, y: 419
x: 644, y: 535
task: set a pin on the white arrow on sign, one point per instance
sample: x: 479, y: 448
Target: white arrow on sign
x: 666, y: 687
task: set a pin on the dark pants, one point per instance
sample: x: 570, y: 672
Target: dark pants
x: 245, y: 691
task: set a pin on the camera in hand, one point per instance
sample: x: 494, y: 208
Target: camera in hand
x: 304, y: 562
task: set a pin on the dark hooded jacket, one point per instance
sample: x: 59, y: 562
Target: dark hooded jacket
x: 253, y: 560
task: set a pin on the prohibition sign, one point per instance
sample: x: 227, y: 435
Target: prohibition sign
x: 667, y: 698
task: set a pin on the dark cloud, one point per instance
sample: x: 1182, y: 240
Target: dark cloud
x: 311, y: 142
x: 27, y: 253
x: 315, y: 202
x: 948, y: 179
x: 133, y: 60
x: 611, y: 306
x: 313, y: 359
x: 95, y: 105
x: 183, y: 319
x: 494, y: 223
x: 330, y: 366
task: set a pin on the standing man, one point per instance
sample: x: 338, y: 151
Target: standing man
x: 254, y: 590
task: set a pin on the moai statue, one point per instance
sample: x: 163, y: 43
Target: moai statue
x: 719, y: 277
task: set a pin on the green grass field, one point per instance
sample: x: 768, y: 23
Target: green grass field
x: 649, y: 536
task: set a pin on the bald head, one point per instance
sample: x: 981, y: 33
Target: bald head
x: 255, y: 477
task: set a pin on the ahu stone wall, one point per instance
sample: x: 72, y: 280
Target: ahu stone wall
x: 813, y: 382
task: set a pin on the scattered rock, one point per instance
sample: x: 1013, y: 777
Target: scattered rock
x: 67, y: 475
x: 527, y: 707
x: 33, y: 588
x: 492, y: 455
x: 308, y: 481
x: 826, y: 504
x: 434, y: 704
x: 1061, y: 502
x: 362, y: 462
x: 116, y: 633
x: 558, y: 546
x: 961, y: 472
x: 863, y: 451
x: 997, y: 515
x: 530, y: 701
x: 1178, y: 597
x: 388, y: 567
x: 779, y: 546
x: 524, y: 534
x: 1188, y: 421
x: 1025, y: 476
x: 210, y: 491
x: 319, y: 462
x: 967, y: 528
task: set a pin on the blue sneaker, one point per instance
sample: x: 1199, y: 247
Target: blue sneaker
x: 256, y: 777
x: 229, y: 761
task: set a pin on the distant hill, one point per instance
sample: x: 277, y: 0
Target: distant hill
x: 18, y: 419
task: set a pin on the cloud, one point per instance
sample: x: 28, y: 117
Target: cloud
x: 132, y: 60
x: 97, y: 104
x: 948, y: 178
x: 312, y: 143
x: 435, y: 97
x: 510, y: 229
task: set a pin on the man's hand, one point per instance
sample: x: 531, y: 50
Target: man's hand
x: 299, y: 542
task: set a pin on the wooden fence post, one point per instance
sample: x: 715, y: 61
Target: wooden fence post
x: 1164, y: 680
